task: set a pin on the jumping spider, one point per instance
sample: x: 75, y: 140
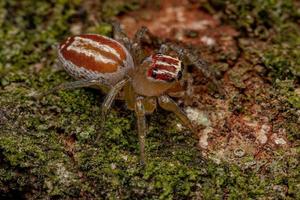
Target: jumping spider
x: 116, y: 65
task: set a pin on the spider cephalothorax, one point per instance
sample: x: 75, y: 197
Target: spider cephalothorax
x: 156, y: 74
x: 118, y: 65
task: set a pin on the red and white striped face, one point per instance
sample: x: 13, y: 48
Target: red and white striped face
x: 89, y: 56
x: 164, y: 68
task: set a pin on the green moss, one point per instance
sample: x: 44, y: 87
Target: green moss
x: 283, y: 60
x: 274, y: 20
x: 114, y: 7
x: 287, y: 88
x: 255, y: 18
x: 291, y: 98
x: 102, y: 29
x: 23, y: 31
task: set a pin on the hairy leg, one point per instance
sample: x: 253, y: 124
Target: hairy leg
x: 163, y: 49
x: 129, y: 97
x: 168, y: 104
x: 118, y: 34
x: 106, y: 105
x: 192, y: 57
x: 149, y: 104
x: 141, y: 34
x: 141, y: 123
x: 137, y: 49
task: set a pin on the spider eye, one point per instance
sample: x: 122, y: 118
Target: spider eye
x: 164, y: 68
x: 179, y: 75
x: 154, y: 73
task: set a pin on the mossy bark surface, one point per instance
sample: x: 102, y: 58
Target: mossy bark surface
x: 248, y: 143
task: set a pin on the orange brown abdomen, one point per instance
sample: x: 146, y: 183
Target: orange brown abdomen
x: 95, y: 57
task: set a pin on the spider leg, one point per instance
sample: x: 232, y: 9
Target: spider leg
x: 193, y: 58
x: 106, y: 105
x: 141, y: 123
x: 168, y: 104
x: 141, y: 34
x: 119, y: 34
x: 137, y: 50
x: 163, y: 49
x: 144, y: 34
x: 74, y: 85
x: 129, y: 96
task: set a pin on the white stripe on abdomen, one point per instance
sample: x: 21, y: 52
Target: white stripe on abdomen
x: 78, y: 46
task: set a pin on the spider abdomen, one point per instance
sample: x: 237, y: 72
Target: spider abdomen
x: 91, y: 56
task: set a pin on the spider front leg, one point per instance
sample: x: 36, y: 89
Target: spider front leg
x: 193, y: 58
x: 106, y: 105
x: 168, y: 104
x: 137, y: 50
x: 141, y: 34
x: 141, y: 123
x: 163, y: 49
